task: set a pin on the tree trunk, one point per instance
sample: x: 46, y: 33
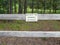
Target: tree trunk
x: 10, y: 6
x: 20, y: 7
x: 25, y: 6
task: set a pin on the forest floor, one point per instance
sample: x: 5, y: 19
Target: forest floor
x: 30, y: 26
x: 29, y: 41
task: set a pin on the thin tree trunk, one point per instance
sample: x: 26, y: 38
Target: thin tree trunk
x: 54, y: 7
x: 38, y: 6
x: 32, y: 6
x: 10, y: 6
x: 50, y: 7
x: 25, y: 6
x: 20, y: 7
x: 44, y: 6
x: 15, y: 6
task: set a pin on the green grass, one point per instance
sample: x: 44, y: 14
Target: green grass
x: 22, y: 25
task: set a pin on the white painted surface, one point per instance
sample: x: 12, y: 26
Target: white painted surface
x: 23, y: 16
x: 30, y: 33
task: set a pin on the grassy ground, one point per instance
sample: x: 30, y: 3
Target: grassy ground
x: 22, y: 25
x: 29, y: 41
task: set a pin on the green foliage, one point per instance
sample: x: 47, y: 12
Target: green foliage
x: 10, y: 6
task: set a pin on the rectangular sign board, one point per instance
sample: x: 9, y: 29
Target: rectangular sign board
x: 31, y: 17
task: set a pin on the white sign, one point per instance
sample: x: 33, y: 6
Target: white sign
x: 31, y: 17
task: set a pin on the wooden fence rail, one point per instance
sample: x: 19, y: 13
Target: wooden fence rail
x: 30, y: 33
x: 23, y: 16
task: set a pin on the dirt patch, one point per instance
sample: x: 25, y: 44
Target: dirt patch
x: 29, y: 41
